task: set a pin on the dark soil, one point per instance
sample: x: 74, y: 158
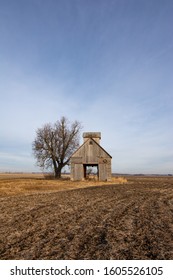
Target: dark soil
x: 130, y: 221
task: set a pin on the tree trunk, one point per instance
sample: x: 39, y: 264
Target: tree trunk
x: 57, y: 169
x: 58, y: 173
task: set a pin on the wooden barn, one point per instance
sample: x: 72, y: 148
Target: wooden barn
x: 91, y: 154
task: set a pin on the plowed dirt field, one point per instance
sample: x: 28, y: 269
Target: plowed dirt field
x: 126, y: 221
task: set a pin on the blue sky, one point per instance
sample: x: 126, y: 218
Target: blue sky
x: 107, y: 64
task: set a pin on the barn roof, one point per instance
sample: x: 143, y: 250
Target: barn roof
x: 89, y: 139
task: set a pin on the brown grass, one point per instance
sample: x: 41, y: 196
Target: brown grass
x: 26, y: 183
x: 47, y: 219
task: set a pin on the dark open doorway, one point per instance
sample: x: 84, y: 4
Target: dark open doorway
x: 91, y: 171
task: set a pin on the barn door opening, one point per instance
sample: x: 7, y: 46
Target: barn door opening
x: 91, y: 172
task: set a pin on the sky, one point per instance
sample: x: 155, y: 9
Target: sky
x: 106, y: 63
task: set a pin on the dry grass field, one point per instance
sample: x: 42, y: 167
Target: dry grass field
x: 49, y: 219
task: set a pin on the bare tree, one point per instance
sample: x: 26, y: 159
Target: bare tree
x: 54, y: 144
